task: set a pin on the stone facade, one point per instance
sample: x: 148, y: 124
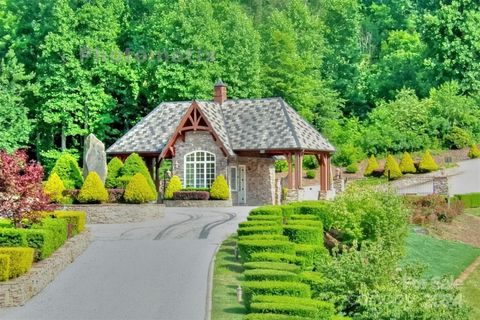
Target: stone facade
x: 119, y: 212
x: 18, y: 291
x: 198, y: 141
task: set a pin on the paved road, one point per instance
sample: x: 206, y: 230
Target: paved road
x: 468, y: 178
x: 153, y: 270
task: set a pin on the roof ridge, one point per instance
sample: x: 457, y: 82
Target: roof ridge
x: 289, y: 122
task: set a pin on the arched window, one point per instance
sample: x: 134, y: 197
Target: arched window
x: 199, y: 169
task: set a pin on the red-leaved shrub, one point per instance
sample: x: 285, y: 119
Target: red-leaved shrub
x: 433, y: 208
x: 191, y: 195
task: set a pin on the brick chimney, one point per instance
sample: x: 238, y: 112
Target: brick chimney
x: 220, y: 92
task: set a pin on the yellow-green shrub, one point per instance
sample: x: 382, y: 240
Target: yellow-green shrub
x: 54, y: 188
x: 474, y: 152
x: 406, y: 164
x: 68, y: 170
x: 428, y: 164
x: 371, y: 166
x: 77, y: 219
x: 93, y: 190
x: 220, y: 189
x: 392, y: 166
x: 138, y: 190
x: 21, y: 260
x: 133, y: 165
x: 4, y: 266
x: 174, y: 185
x: 114, y: 168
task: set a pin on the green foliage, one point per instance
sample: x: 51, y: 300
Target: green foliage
x: 274, y: 237
x: 21, y: 260
x: 470, y: 200
x: 138, y: 190
x: 310, y: 162
x: 266, y: 217
x: 372, y: 165
x: 4, y: 266
x: 114, y: 168
x: 248, y: 247
x: 10, y: 237
x: 54, y: 188
x: 427, y: 164
x: 474, y: 153
x: 352, y: 168
x: 77, y: 219
x: 269, y: 275
x: 93, y: 190
x: 42, y: 241
x: 304, y: 234
x: 67, y: 169
x: 133, y: 165
x: 392, y: 168
x: 219, y: 189
x: 313, y: 255
x: 257, y: 223
x: 281, y: 166
x: 311, y: 174
x: 268, y: 265
x: 261, y: 229
x: 256, y: 288
x: 271, y: 316
x: 277, y: 257
x: 309, y: 308
x: 406, y: 164
x: 58, y: 228
x: 267, y: 210
x: 458, y: 138
x: 174, y: 185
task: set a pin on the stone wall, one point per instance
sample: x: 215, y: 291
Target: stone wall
x: 119, y: 212
x: 18, y: 291
x: 198, y: 141
x: 260, y: 176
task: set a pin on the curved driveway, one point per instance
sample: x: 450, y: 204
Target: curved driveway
x: 152, y: 270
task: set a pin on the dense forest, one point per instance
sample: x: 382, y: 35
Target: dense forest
x: 374, y: 76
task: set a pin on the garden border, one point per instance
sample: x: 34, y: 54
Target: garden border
x: 18, y: 291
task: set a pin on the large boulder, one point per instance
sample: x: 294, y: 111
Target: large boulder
x: 94, y: 157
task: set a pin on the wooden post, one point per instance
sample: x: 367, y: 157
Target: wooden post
x: 324, y: 172
x: 290, y: 171
x: 298, y: 170
x: 158, y: 161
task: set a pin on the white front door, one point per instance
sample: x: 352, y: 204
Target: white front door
x: 242, y: 185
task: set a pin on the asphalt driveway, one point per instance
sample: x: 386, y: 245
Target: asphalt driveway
x: 152, y: 270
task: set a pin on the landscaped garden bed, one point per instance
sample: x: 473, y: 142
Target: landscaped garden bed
x: 336, y: 260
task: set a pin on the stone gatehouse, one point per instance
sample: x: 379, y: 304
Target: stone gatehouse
x: 234, y: 138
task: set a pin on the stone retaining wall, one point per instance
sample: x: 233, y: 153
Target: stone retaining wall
x: 18, y: 291
x: 119, y: 212
x: 198, y: 203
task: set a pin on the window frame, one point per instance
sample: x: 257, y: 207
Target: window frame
x: 196, y: 164
x: 234, y: 186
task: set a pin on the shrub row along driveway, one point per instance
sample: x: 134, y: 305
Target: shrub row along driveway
x: 152, y: 270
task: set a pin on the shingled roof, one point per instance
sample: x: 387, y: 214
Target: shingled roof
x: 242, y: 125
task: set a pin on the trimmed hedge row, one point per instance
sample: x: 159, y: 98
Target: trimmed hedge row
x: 260, y: 229
x: 313, y: 254
x: 277, y: 257
x: 278, y: 237
x: 314, y: 280
x: 4, y: 267
x: 322, y: 310
x: 270, y: 275
x: 256, y: 288
x: 267, y: 210
x: 21, y: 260
x: 76, y: 220
x: 282, y: 266
x: 248, y: 247
x: 470, y: 200
x: 267, y: 217
x: 294, y: 217
x: 256, y: 223
x: 304, y: 234
x: 271, y: 316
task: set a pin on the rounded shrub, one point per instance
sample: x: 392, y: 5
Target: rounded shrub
x: 262, y: 229
x: 4, y: 267
x: 277, y: 257
x: 268, y: 265
x: 174, y: 185
x: 269, y: 275
x: 281, y: 166
x: 311, y: 174
x: 12, y: 237
x: 352, y: 168
x: 304, y: 234
x: 93, y: 190
x: 474, y: 152
x: 114, y: 169
x: 427, y: 164
x: 248, y: 247
x: 285, y: 288
x: 66, y: 167
x: 372, y: 165
x: 54, y: 188
x: 219, y: 189
x: 21, y: 260
x: 138, y: 190
x: 392, y: 168
x: 406, y: 164
x: 310, y: 162
x: 134, y: 164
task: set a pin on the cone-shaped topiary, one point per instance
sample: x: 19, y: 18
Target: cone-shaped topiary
x: 174, y: 185
x: 54, y: 188
x: 113, y: 173
x: 68, y: 170
x: 93, y: 190
x: 133, y: 165
x: 371, y: 166
x: 406, y: 164
x: 138, y: 190
x: 427, y: 163
x: 474, y: 152
x: 219, y: 189
x: 392, y: 166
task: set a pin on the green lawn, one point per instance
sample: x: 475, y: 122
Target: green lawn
x: 226, y: 278
x: 471, y: 291
x: 473, y: 211
x: 442, y: 257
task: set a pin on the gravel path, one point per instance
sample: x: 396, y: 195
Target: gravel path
x: 151, y: 270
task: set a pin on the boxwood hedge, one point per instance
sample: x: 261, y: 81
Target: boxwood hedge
x: 256, y: 223
x: 268, y: 217
x: 271, y: 316
x: 255, y: 288
x: 10, y: 237
x: 42, y: 241
x: 4, y: 266
x: 270, y: 275
x: 279, y: 237
x: 267, y: 210
x: 313, y: 254
x: 304, y: 217
x: 278, y: 257
x: 21, y: 260
x: 260, y: 229
x: 272, y: 266
x: 248, y: 247
x: 304, y: 234
x: 323, y: 310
